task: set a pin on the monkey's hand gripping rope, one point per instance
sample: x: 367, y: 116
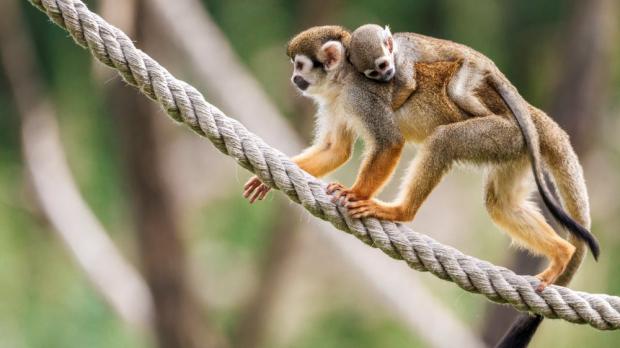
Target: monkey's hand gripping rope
x: 185, y: 104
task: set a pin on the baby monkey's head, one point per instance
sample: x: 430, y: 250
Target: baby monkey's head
x: 371, y: 51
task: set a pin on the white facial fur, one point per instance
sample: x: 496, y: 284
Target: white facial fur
x: 312, y: 79
x: 302, y: 66
x: 384, y: 69
x: 306, y: 77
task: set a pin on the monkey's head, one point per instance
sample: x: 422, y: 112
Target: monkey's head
x: 317, y: 54
x: 371, y: 52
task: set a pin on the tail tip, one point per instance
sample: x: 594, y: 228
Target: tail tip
x: 593, y: 244
x: 596, y: 250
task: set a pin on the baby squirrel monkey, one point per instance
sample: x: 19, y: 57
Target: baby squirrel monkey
x: 380, y: 56
x: 373, y: 52
x: 506, y: 139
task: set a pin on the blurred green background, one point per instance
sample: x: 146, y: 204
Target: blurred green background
x: 229, y: 274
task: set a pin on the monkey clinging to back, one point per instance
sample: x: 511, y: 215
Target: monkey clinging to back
x: 377, y: 54
x: 507, y: 139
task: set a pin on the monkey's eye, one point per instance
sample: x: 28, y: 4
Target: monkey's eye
x: 382, y: 65
x: 373, y: 73
x: 316, y: 64
x: 299, y: 66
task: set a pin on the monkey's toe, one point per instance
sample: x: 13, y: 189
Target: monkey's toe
x: 359, y: 209
x: 342, y: 195
x: 373, y: 208
x: 541, y: 286
x: 546, y: 278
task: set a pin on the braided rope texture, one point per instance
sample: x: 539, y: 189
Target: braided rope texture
x: 186, y: 105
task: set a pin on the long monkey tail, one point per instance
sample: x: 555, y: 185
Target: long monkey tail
x: 517, y: 106
x: 521, y: 331
x: 524, y: 327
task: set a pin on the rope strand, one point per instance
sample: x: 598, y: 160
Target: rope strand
x: 185, y: 104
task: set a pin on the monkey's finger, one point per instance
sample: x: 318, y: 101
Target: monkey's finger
x: 337, y: 195
x: 351, y: 197
x: 340, y: 197
x: 249, y: 191
x: 359, y: 213
x: 356, y: 204
x: 331, y: 188
x: 363, y: 206
x: 359, y: 209
x: 253, y: 181
x: 249, y: 188
x: 254, y: 196
x: 264, y: 191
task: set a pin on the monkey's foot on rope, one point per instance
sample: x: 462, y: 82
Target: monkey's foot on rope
x: 377, y: 209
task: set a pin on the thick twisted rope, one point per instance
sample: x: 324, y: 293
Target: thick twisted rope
x: 185, y: 104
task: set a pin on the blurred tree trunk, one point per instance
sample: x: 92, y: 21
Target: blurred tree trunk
x: 583, y: 84
x: 251, y: 332
x: 178, y: 320
x: 59, y: 198
x: 576, y: 105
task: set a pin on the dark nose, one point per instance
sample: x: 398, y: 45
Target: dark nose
x: 300, y: 82
x: 388, y: 74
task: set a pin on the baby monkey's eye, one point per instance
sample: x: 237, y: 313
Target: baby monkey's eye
x: 373, y: 73
x: 316, y: 64
x: 382, y: 65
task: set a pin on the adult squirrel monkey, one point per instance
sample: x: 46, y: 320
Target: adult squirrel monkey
x: 459, y: 108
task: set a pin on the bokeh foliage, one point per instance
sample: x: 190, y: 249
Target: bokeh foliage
x: 46, y: 302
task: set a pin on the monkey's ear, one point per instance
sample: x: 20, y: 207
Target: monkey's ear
x: 387, y: 32
x: 388, y: 40
x: 331, y: 54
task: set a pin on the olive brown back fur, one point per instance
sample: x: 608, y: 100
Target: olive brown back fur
x: 370, y: 43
